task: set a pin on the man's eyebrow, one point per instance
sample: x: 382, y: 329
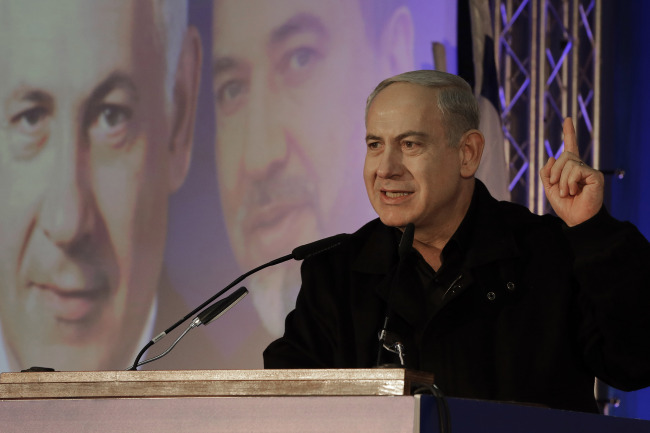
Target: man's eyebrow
x: 371, y: 137
x: 116, y: 80
x: 400, y: 137
x: 414, y: 134
x: 30, y: 94
x: 223, y: 64
x: 37, y: 96
x: 299, y: 23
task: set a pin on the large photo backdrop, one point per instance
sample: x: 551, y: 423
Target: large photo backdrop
x: 151, y: 151
x: 284, y: 88
x: 145, y: 163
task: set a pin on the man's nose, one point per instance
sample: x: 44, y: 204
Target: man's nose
x: 265, y: 141
x: 66, y: 215
x: 390, y: 163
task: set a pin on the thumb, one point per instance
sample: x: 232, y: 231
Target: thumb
x: 545, y: 173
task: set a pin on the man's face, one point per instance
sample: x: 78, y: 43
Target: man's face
x: 411, y: 174
x: 83, y: 186
x: 290, y: 82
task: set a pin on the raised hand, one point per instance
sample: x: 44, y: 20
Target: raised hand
x: 574, y: 190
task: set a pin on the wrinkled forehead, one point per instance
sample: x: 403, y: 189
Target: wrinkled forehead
x: 262, y: 21
x: 401, y: 95
x: 38, y: 18
x: 49, y: 42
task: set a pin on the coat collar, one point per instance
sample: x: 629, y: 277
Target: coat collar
x: 485, y: 238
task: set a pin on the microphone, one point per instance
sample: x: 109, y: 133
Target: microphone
x: 299, y: 253
x: 406, y: 242
x: 305, y: 251
x: 220, y: 308
x: 389, y: 340
x: 208, y: 315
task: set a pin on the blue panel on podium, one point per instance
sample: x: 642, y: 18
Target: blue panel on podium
x: 478, y: 415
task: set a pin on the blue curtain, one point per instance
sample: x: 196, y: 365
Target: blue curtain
x: 625, y: 138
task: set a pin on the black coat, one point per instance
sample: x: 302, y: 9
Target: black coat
x: 539, y: 310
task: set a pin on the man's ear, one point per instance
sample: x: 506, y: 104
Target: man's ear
x: 396, y: 43
x: 470, y: 151
x: 186, y: 91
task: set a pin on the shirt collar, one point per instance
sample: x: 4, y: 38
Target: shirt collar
x: 482, y: 237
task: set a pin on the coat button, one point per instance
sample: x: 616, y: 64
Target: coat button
x: 511, y: 286
x: 491, y: 296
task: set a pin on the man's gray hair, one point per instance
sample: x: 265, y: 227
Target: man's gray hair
x: 455, y: 99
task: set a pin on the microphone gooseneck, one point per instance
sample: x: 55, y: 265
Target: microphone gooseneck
x: 386, y: 339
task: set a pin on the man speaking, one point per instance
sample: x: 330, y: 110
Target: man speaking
x: 498, y: 303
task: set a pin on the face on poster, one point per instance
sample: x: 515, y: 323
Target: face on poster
x: 88, y: 159
x: 88, y: 162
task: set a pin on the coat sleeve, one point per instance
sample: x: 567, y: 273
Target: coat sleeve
x: 612, y: 271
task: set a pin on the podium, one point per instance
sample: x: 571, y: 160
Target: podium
x: 211, y: 383
x: 350, y: 400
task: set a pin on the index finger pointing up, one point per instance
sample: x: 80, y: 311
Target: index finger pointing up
x: 570, y: 142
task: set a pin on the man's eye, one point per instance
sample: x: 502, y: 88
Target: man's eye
x: 409, y: 145
x: 30, y: 121
x: 29, y: 132
x: 230, y: 95
x: 373, y: 145
x: 230, y: 91
x: 301, y: 57
x: 298, y: 65
x: 110, y: 125
x: 112, y: 116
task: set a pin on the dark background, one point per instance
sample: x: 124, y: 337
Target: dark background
x: 625, y: 141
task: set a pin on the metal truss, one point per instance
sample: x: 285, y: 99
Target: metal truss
x: 548, y: 60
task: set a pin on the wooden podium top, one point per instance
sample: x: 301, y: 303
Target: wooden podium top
x: 210, y: 383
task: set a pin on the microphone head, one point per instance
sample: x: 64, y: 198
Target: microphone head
x: 220, y: 307
x: 406, y: 242
x: 319, y: 246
